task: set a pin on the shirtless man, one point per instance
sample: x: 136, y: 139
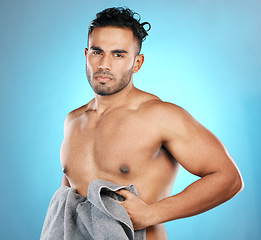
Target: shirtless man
x: 127, y: 136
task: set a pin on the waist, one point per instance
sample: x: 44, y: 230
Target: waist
x: 157, y: 232
x: 150, y: 190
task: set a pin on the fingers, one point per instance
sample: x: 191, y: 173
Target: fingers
x: 122, y: 196
x: 125, y: 193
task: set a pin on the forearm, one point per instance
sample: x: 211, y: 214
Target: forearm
x: 200, y: 196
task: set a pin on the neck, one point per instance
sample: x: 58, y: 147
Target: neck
x: 104, y: 103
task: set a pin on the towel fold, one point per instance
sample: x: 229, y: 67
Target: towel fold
x: 98, y: 216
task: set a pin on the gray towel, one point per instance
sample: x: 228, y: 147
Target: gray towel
x: 98, y: 216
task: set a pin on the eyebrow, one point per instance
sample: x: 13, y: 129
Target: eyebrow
x: 97, y: 49
x: 119, y: 51
x: 113, y: 51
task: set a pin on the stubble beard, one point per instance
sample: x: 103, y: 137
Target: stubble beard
x: 103, y: 89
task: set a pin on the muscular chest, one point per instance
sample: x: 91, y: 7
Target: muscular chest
x: 123, y: 138
x: 113, y: 142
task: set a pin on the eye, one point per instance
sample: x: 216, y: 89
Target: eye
x: 96, y: 53
x: 118, y: 55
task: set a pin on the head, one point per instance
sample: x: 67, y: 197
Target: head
x: 113, y: 54
x: 121, y: 18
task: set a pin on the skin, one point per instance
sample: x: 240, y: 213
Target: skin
x: 132, y: 137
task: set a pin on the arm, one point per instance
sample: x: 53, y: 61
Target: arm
x: 69, y: 118
x: 202, y: 154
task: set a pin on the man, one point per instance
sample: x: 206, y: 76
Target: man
x: 127, y: 136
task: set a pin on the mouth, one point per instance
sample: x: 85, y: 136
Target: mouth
x: 103, y: 78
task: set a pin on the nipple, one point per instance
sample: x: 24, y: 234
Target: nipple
x: 124, y: 169
x: 65, y: 170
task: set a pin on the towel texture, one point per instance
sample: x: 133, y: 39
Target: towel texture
x: 98, y: 216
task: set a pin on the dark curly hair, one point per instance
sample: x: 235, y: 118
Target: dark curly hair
x: 123, y: 18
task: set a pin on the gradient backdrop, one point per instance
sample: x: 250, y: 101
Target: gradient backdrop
x: 202, y: 55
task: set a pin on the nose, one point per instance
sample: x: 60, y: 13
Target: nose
x: 105, y: 63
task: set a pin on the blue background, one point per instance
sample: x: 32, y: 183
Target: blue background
x: 202, y: 55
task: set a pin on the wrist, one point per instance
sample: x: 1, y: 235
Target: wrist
x: 154, y: 216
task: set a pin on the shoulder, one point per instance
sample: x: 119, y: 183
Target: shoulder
x: 168, y: 117
x: 157, y: 109
x: 165, y: 111
x: 76, y: 113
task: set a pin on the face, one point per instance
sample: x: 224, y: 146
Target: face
x: 111, y: 59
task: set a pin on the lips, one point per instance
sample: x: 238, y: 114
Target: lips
x: 103, y: 78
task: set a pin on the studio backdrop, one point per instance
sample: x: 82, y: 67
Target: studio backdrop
x: 204, y: 56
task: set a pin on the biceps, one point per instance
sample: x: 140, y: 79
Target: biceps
x: 200, y: 152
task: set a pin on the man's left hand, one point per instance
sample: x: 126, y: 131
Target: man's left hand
x: 138, y: 211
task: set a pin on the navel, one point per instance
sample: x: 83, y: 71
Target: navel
x: 124, y: 169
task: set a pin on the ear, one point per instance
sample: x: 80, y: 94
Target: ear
x: 138, y: 63
x: 86, y: 52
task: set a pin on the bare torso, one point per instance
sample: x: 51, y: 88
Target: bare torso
x: 124, y: 145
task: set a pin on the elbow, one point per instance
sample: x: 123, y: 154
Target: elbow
x: 236, y: 184
x: 241, y: 184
